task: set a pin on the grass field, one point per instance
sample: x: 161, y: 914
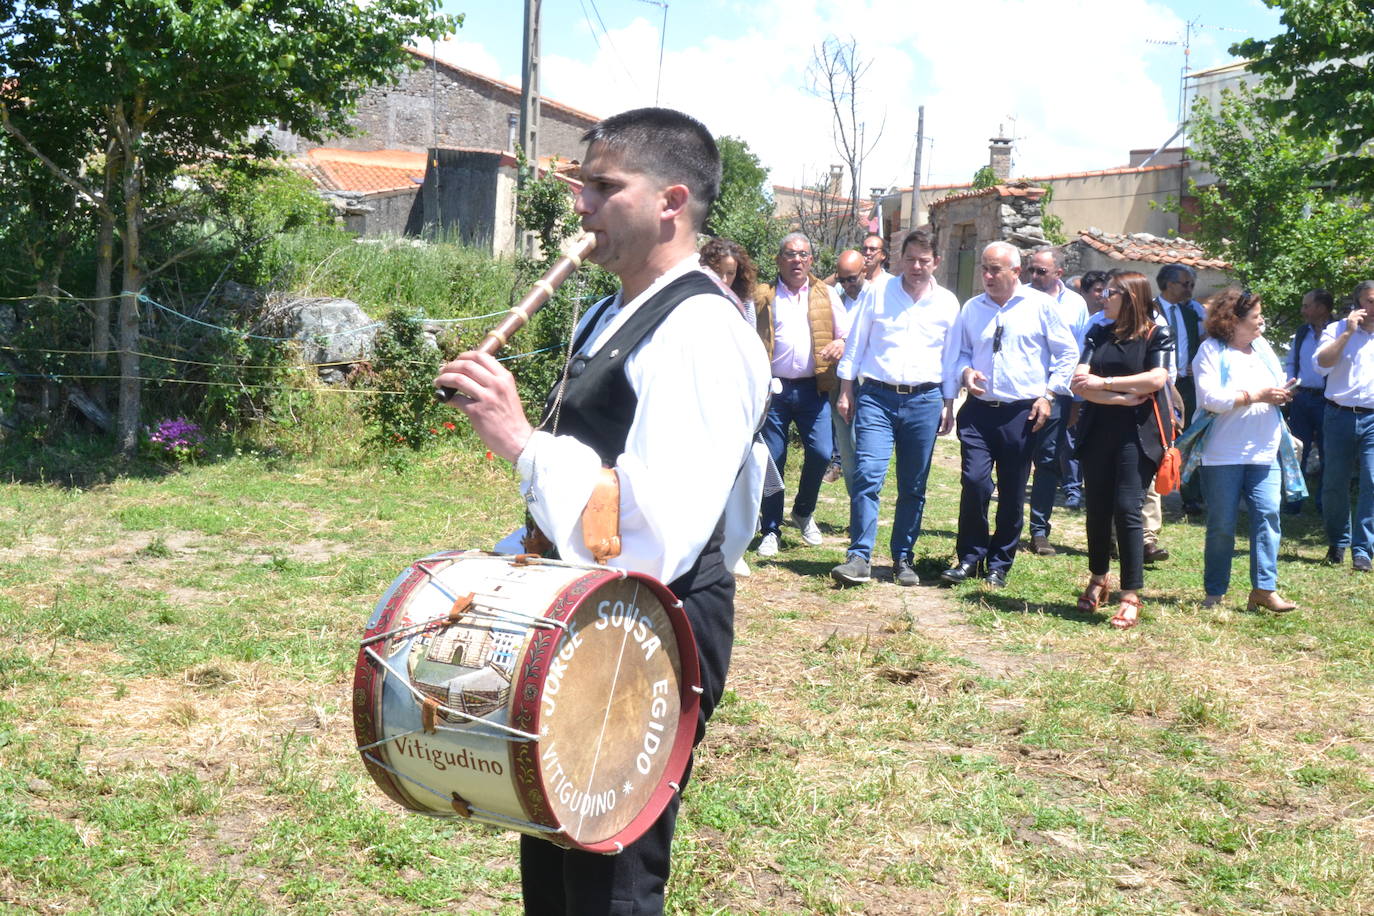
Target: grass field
x: 176, y: 734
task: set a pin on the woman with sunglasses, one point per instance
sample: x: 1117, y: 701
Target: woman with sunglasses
x: 1120, y: 374
x: 1241, y: 381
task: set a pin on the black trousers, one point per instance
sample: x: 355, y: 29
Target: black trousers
x: 1116, y: 474
x: 992, y: 438
x: 569, y: 881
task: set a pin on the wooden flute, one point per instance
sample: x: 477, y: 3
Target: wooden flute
x: 539, y: 295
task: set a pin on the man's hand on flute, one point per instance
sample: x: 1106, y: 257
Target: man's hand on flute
x: 486, y: 393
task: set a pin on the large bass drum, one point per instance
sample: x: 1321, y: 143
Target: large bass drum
x: 555, y: 699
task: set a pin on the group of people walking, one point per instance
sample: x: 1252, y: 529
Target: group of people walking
x: 1086, y: 384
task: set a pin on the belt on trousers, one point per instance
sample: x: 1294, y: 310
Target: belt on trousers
x: 1310, y: 389
x: 904, y: 389
x: 1351, y: 409
x: 1017, y: 404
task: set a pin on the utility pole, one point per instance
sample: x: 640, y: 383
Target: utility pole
x: 662, y: 37
x: 529, y: 86
x: 916, y: 173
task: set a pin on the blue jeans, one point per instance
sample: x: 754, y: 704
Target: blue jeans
x: 1347, y: 450
x: 883, y: 420
x: 1048, y: 447
x: 1260, y: 485
x: 799, y: 402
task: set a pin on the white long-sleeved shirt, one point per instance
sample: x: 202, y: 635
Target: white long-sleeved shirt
x: 902, y: 341
x: 701, y: 379
x: 792, y: 344
x: 1036, y: 354
x: 1239, y: 435
x: 1350, y: 383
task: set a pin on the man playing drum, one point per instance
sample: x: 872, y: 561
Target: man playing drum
x: 668, y: 386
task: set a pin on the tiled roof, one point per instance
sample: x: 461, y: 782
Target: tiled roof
x: 366, y: 172
x: 1017, y: 189
x: 1141, y: 246
x: 544, y: 101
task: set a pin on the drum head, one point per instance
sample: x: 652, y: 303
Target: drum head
x: 610, y: 714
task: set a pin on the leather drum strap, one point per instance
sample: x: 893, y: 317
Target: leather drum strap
x: 601, y: 518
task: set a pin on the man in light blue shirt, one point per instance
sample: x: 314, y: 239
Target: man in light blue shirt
x: 1346, y: 358
x: 1015, y: 355
x: 1045, y: 271
x: 896, y: 357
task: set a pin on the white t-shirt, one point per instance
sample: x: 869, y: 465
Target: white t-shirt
x: 1239, y: 435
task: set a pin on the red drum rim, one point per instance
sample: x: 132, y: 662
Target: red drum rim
x: 527, y: 697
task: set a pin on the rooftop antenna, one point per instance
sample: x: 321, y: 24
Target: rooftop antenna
x: 1186, y: 42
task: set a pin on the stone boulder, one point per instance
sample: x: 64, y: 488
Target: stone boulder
x: 331, y: 331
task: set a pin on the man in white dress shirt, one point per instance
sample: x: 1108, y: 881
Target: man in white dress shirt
x: 1054, y: 441
x: 668, y: 386
x: 1015, y: 355
x: 1346, y: 358
x: 849, y: 280
x: 803, y: 326
x: 891, y: 384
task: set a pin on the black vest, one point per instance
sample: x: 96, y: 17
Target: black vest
x: 599, y: 404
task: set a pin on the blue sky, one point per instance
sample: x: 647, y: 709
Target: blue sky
x: 1078, y: 84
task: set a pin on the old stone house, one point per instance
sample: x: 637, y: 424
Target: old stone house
x: 454, y: 132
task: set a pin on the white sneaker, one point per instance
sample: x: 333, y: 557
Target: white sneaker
x: 741, y: 567
x: 810, y: 532
x: 768, y: 547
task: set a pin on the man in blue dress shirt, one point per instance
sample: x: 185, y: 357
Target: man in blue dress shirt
x: 1015, y: 355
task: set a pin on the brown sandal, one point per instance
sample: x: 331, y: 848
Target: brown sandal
x: 1128, y: 614
x: 1094, y: 594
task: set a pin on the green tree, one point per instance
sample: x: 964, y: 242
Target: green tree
x: 1282, y: 229
x: 743, y: 211
x: 1318, y: 79
x: 985, y: 177
x: 159, y: 85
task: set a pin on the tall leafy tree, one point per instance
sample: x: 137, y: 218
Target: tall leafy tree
x: 155, y: 86
x: 744, y: 210
x: 1318, y: 72
x: 1269, y: 213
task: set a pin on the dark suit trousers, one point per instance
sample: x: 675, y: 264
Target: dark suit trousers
x: 992, y: 439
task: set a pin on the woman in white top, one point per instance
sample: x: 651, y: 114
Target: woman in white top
x: 1239, y: 379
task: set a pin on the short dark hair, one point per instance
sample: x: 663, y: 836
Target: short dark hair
x: 921, y: 238
x: 1169, y: 274
x: 1323, y: 298
x: 673, y: 147
x: 1056, y: 255
x: 1091, y: 279
x: 1226, y: 309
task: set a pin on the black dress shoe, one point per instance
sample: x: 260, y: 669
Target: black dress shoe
x: 1335, y: 556
x: 996, y: 578
x: 962, y: 571
x: 1360, y: 563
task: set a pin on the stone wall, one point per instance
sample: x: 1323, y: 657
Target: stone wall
x: 472, y: 112
x: 470, y: 194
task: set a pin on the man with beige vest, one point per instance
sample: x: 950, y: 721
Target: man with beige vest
x: 803, y: 324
